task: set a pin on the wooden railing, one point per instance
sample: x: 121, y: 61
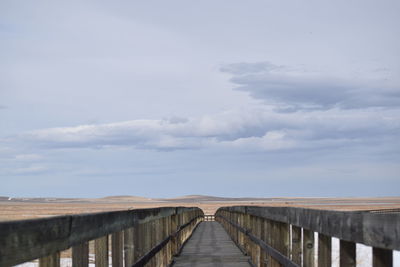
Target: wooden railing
x: 209, y: 217
x: 284, y: 236
x: 140, y: 237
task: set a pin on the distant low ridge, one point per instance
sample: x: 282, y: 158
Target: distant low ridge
x: 127, y: 197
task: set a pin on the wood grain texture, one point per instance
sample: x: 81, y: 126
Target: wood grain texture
x: 296, y: 245
x: 117, y: 249
x: 101, y: 251
x: 324, y: 251
x: 380, y: 230
x: 308, y: 248
x: 80, y: 255
x: 210, y: 245
x: 52, y: 260
x: 129, y: 246
x: 22, y: 241
x: 347, y: 254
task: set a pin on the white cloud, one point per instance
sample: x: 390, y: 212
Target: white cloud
x: 258, y: 129
x: 271, y: 141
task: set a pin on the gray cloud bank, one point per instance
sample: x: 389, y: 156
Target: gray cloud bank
x: 294, y: 90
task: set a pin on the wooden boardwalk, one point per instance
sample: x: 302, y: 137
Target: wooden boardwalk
x: 210, y: 245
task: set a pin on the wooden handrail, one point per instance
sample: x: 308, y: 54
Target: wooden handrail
x: 289, y: 231
x: 25, y: 240
x: 380, y: 230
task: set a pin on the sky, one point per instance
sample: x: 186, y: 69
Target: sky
x: 228, y: 98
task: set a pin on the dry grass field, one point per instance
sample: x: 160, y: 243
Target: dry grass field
x: 28, y: 208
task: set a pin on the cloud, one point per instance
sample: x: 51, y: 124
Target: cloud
x: 252, y: 129
x: 292, y: 90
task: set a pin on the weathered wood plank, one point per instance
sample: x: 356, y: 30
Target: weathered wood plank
x: 382, y: 257
x: 210, y: 245
x: 101, y: 251
x: 149, y: 258
x: 296, y: 245
x: 80, y: 255
x: 269, y: 248
x: 52, y: 260
x: 308, y: 248
x: 373, y: 229
x: 347, y: 254
x: 324, y: 251
x: 285, y: 238
x: 263, y: 254
x: 21, y: 241
x: 117, y: 249
x: 129, y: 246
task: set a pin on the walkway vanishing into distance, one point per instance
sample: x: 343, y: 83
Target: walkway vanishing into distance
x: 276, y: 236
x: 210, y: 245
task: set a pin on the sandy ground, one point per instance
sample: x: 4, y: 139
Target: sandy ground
x: 28, y: 208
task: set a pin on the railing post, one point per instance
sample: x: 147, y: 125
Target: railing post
x: 269, y: 239
x: 263, y: 254
x: 152, y: 241
x: 284, y: 240
x: 382, y: 257
x: 324, y: 250
x: 247, y: 243
x: 257, y: 233
x: 169, y: 245
x: 117, y: 249
x: 101, y: 251
x: 236, y: 216
x: 241, y: 223
x: 164, y: 234
x: 174, y: 241
x: 146, y: 238
x: 347, y: 254
x: 52, y: 260
x: 275, y: 236
x: 80, y: 255
x: 296, y: 244
x: 158, y: 237
x: 308, y: 248
x: 252, y: 246
x: 129, y: 247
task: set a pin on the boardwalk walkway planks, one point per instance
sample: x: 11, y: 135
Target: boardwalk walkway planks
x: 210, y: 245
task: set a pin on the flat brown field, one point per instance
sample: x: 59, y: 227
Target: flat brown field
x: 28, y: 208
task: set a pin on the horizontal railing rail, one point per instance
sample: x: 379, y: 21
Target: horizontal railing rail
x: 134, y: 233
x: 285, y: 235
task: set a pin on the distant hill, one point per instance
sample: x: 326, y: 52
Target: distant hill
x: 205, y: 198
x: 126, y: 198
